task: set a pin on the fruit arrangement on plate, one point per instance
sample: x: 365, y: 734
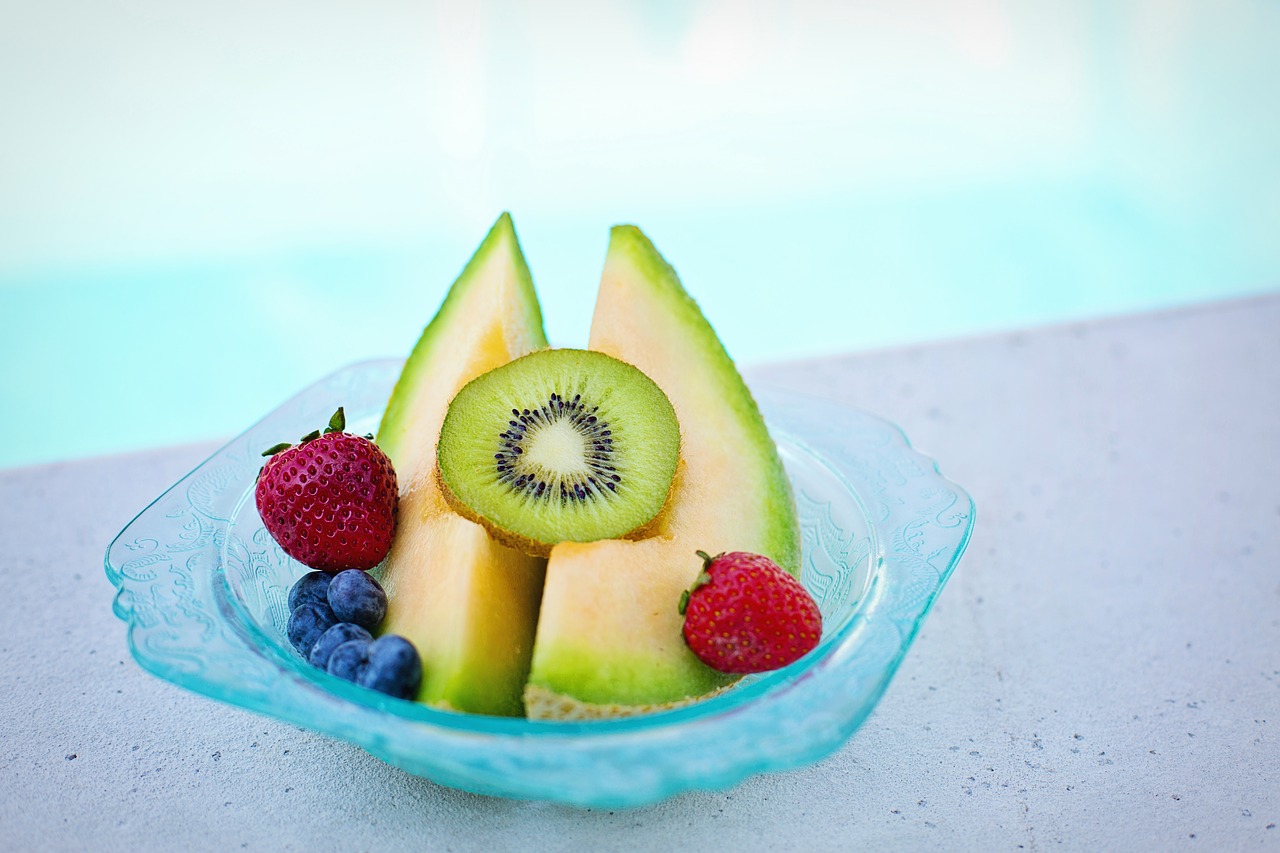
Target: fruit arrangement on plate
x: 530, y: 530
x: 542, y: 606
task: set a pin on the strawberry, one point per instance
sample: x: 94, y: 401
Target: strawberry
x: 745, y: 614
x: 331, y: 501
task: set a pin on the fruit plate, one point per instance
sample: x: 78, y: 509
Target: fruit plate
x: 203, y: 590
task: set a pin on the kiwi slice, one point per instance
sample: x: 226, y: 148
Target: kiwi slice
x: 560, y: 445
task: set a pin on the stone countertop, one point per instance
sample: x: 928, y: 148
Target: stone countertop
x: 1102, y: 670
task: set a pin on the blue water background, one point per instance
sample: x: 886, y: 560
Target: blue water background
x: 175, y: 280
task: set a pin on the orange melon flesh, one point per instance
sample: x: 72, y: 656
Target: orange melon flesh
x: 609, y: 639
x: 467, y: 603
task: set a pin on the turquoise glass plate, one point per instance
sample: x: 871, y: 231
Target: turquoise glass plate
x: 203, y: 589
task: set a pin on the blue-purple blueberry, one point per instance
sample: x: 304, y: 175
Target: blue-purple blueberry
x: 307, y: 623
x: 349, y: 660
x: 356, y: 597
x: 393, y: 667
x: 311, y: 587
x: 343, y: 632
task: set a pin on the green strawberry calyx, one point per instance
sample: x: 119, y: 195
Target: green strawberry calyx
x: 702, y: 580
x: 337, y: 423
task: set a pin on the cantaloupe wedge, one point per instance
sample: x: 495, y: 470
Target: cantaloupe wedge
x: 609, y: 637
x: 467, y: 603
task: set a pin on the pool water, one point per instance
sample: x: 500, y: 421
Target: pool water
x: 293, y: 196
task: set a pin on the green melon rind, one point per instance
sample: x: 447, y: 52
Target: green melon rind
x: 397, y: 418
x: 611, y: 679
x: 783, y: 534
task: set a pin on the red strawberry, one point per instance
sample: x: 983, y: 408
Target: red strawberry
x: 330, y: 502
x: 745, y: 614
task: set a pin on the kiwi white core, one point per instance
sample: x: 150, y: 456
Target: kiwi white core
x: 557, y: 450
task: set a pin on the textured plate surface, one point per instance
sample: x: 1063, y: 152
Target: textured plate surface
x: 203, y: 588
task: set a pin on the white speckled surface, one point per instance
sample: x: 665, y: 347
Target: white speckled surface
x: 1103, y: 670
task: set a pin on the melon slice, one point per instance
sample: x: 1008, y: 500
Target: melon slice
x: 467, y: 603
x: 609, y: 637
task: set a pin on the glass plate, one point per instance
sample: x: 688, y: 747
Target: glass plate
x: 203, y: 589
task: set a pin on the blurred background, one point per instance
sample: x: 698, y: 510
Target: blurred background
x: 205, y: 207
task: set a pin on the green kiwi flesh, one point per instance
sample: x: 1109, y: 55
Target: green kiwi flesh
x: 560, y: 445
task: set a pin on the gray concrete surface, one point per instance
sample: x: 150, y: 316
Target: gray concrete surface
x: 1102, y: 672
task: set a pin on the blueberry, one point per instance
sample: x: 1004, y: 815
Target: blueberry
x: 394, y: 667
x: 341, y: 633
x: 307, y: 623
x: 349, y: 660
x: 357, y: 597
x: 313, y: 586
